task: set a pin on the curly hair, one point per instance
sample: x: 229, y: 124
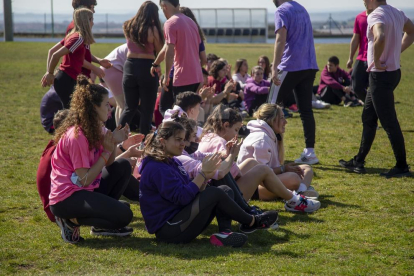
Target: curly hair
x: 220, y: 115
x: 82, y: 114
x: 216, y: 67
x: 136, y: 29
x: 153, y: 147
x: 269, y: 113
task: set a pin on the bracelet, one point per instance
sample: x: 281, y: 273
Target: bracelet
x: 121, y: 148
x: 155, y: 65
x: 282, y: 168
x: 106, y: 160
x: 203, y: 175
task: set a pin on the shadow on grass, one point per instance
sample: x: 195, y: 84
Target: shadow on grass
x: 259, y: 243
x: 370, y: 171
x: 408, y: 131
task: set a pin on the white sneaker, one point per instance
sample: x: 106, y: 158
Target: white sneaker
x: 320, y: 104
x: 306, y: 205
x: 311, y: 194
x: 307, y: 159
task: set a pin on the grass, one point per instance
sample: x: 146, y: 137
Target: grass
x: 365, y: 225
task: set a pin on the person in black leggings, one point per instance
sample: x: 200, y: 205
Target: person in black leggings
x: 176, y: 209
x: 86, y: 180
x: 144, y: 40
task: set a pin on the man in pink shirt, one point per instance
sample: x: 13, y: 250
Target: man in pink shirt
x: 386, y: 42
x: 360, y: 76
x: 182, y: 41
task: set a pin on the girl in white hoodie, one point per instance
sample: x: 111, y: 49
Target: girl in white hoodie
x: 265, y: 145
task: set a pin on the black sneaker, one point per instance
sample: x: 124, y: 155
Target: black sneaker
x: 263, y: 221
x: 397, y: 172
x: 124, y: 231
x: 228, y: 239
x: 254, y: 210
x: 353, y: 165
x: 69, y: 233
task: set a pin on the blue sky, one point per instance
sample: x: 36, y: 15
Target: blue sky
x: 131, y: 6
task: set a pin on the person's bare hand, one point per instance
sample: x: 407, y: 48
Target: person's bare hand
x: 133, y: 140
x: 108, y: 141
x: 134, y: 151
x: 210, y: 164
x: 121, y: 135
x: 105, y: 63
x: 235, y: 149
x: 349, y: 63
x: 166, y: 82
x: 293, y: 168
x: 98, y: 72
x: 155, y: 70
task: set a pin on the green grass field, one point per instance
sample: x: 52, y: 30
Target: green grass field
x: 365, y: 225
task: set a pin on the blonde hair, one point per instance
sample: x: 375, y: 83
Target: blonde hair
x: 269, y: 113
x: 81, y: 18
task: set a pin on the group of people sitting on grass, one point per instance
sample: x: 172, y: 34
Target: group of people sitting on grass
x: 191, y: 165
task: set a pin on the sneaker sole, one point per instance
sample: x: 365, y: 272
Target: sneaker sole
x: 352, y: 169
x: 62, y: 232
x: 408, y: 174
x: 233, y: 240
x: 289, y: 209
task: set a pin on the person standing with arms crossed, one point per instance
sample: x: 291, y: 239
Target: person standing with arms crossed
x: 386, y: 42
x: 182, y: 41
x: 294, y: 67
x: 360, y: 76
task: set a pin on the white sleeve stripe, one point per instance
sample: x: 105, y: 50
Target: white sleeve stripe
x: 274, y: 90
x: 76, y: 45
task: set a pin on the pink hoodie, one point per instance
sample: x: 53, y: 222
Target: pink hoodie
x: 260, y: 144
x: 192, y: 163
x: 211, y: 142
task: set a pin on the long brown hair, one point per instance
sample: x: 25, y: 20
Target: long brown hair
x: 136, y: 29
x: 239, y: 64
x: 153, y: 147
x: 220, y: 115
x: 81, y: 19
x: 267, y: 67
x: 82, y: 114
x: 269, y: 113
x: 187, y: 12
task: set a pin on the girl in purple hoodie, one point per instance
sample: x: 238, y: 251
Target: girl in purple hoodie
x: 177, y: 209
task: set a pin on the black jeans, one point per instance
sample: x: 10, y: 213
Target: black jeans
x: 301, y: 83
x: 360, y: 79
x: 186, y: 88
x: 379, y: 104
x: 334, y: 96
x: 229, y: 181
x: 64, y: 87
x: 167, y: 98
x: 196, y: 216
x: 139, y: 88
x: 100, y: 208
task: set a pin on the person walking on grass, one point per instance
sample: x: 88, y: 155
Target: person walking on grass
x: 360, y: 76
x: 386, y: 42
x: 182, y: 45
x: 294, y: 67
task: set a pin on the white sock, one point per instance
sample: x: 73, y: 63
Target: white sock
x: 302, y: 188
x: 294, y: 200
x: 309, y: 151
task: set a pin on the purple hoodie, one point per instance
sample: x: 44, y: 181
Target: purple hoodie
x: 164, y: 190
x: 252, y: 89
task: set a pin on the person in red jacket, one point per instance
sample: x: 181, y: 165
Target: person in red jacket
x: 335, y: 85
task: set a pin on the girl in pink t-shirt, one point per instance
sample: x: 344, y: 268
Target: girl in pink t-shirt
x: 82, y: 193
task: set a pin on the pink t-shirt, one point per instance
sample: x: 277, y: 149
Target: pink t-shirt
x: 71, y: 153
x: 181, y: 31
x: 394, y: 21
x: 360, y: 28
x: 211, y: 142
